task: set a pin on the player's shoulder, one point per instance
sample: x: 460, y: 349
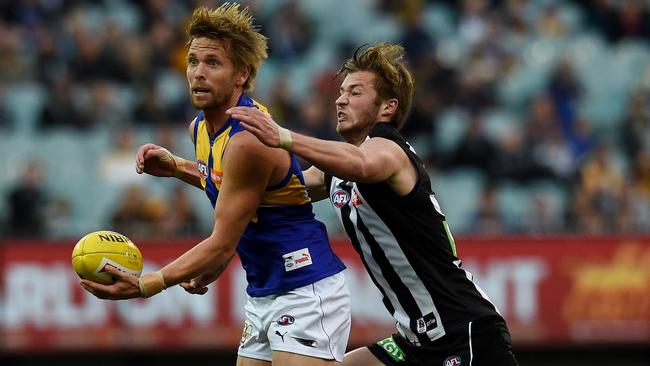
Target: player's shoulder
x: 191, y: 128
x: 260, y: 106
x: 381, y: 143
x: 244, y: 142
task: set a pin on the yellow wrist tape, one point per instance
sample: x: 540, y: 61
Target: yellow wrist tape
x: 151, y: 284
x: 178, y: 173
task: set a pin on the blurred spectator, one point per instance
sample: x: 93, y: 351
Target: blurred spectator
x: 99, y: 105
x: 472, y: 24
x: 151, y: 110
x: 418, y: 44
x: 12, y: 64
x: 93, y: 60
x: 136, y: 53
x: 602, y: 184
x: 564, y: 91
x: 27, y: 202
x: 289, y: 32
x: 487, y: 219
x: 582, y: 140
x: 514, y: 162
x: 419, y: 122
x: 281, y: 105
x: 117, y: 166
x: 474, y: 149
x: 488, y: 61
x: 634, y: 214
x: 636, y: 123
x: 549, y: 23
x: 162, y: 36
x: 514, y: 18
x: 180, y: 218
x: 315, y: 119
x: 541, y: 218
x: 139, y: 213
x: 60, y: 109
x: 546, y: 141
x: 633, y: 18
x: 50, y: 64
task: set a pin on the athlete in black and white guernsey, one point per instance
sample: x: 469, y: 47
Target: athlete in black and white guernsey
x: 383, y: 196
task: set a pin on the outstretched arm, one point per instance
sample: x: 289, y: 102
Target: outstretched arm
x: 248, y: 166
x: 374, y: 161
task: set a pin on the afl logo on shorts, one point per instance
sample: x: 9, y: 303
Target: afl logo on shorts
x: 340, y: 198
x: 452, y: 361
x: 203, y: 169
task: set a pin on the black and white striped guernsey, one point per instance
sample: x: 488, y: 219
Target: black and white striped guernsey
x: 409, y: 252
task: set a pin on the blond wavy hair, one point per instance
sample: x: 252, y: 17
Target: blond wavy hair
x: 246, y: 45
x: 393, y: 79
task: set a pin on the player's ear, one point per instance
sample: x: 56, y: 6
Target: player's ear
x: 242, y: 75
x: 389, y: 107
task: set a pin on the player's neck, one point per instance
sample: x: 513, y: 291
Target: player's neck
x: 216, y: 117
x: 357, y: 137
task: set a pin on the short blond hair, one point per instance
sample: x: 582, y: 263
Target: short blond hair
x: 246, y: 45
x: 393, y: 79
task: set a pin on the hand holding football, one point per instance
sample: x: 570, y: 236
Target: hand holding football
x: 95, y: 251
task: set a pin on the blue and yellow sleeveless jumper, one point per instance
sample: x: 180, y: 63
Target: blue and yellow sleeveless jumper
x: 283, y: 247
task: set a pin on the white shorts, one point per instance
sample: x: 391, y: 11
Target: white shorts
x: 312, y: 320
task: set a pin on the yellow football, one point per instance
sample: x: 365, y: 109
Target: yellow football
x: 95, y: 251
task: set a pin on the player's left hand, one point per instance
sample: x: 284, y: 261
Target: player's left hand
x: 194, y: 288
x: 125, y: 286
x: 258, y: 123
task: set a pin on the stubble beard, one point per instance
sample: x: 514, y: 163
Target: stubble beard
x: 217, y: 100
x: 367, y: 117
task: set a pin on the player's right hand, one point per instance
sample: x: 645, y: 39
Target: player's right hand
x: 155, y: 160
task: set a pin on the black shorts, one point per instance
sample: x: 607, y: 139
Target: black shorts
x: 485, y: 342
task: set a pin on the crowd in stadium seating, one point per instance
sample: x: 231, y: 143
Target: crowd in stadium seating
x: 533, y: 116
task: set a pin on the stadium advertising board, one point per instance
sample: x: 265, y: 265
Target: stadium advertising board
x: 552, y: 291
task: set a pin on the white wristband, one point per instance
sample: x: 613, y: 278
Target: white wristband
x: 285, y: 138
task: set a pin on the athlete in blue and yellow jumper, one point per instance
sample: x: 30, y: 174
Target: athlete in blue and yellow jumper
x: 298, y: 308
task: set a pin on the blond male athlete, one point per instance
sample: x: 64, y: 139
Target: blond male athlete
x: 298, y: 308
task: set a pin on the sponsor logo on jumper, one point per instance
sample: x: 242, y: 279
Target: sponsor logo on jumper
x: 340, y: 198
x: 286, y: 320
x: 392, y: 349
x: 298, y: 259
x: 452, y: 361
x: 202, y: 168
x: 217, y: 177
x: 356, y: 200
x: 426, y: 323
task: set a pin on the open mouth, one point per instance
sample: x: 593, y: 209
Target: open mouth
x: 200, y: 91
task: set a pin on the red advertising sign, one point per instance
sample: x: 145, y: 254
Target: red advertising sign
x: 563, y: 290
